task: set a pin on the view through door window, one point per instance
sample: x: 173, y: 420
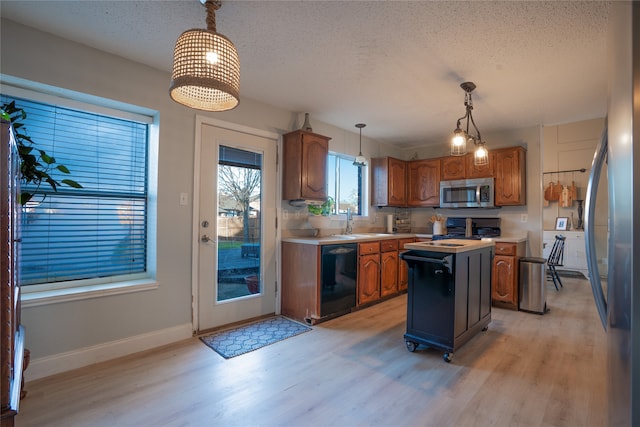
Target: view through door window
x: 239, y: 224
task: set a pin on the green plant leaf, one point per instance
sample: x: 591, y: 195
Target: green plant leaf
x: 71, y: 183
x: 63, y: 169
x: 25, y: 197
x: 46, y: 158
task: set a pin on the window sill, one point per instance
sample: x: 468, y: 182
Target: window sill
x: 38, y: 298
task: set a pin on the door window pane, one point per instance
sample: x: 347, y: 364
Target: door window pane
x: 239, y: 223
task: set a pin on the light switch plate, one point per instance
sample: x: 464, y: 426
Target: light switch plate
x: 184, y: 199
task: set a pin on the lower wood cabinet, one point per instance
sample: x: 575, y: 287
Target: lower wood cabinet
x: 380, y: 275
x: 403, y: 268
x: 505, y: 274
x: 388, y: 267
x: 368, y: 272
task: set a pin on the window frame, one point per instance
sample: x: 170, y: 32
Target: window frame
x: 363, y: 208
x: 63, y: 291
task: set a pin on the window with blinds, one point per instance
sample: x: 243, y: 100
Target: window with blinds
x: 96, y: 231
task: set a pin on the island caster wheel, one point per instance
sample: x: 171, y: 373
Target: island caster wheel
x: 411, y: 346
x: 485, y: 329
x: 447, y: 357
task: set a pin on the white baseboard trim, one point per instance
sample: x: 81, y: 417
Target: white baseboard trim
x: 62, y: 362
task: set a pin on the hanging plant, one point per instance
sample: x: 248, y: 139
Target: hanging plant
x: 35, y: 164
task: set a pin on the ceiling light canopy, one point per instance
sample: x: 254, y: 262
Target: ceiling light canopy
x: 206, y: 67
x: 360, y: 160
x: 462, y: 137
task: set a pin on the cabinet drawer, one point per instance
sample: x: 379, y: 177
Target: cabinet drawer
x: 368, y: 248
x: 388, y: 245
x: 402, y: 242
x: 505, y: 248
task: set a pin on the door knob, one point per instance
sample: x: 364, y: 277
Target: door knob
x: 205, y: 238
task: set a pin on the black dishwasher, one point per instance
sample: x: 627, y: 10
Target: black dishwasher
x: 448, y: 299
x: 339, y: 275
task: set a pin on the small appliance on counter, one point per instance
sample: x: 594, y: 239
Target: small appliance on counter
x: 470, y: 228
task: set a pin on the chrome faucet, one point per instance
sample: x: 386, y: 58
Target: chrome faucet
x: 349, y: 228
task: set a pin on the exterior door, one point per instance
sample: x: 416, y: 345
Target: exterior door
x: 236, y: 223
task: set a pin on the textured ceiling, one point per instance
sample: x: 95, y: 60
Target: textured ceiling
x: 394, y: 65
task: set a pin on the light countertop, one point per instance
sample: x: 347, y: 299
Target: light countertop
x: 347, y: 238
x: 451, y: 245
x: 368, y: 237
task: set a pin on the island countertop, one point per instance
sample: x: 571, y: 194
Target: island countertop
x: 450, y: 245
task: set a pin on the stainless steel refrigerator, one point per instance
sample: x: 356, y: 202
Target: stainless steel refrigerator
x: 618, y: 300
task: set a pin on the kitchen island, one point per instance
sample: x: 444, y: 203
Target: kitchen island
x: 449, y: 293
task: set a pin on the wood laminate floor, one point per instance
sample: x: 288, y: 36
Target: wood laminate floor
x: 526, y: 370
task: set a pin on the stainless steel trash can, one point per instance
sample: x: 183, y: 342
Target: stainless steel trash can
x: 532, y: 285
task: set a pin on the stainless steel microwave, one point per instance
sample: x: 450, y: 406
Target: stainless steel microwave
x: 467, y: 193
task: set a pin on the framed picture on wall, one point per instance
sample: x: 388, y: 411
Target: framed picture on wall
x: 562, y: 223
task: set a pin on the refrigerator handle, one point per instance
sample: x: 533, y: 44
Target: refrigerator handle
x: 599, y: 158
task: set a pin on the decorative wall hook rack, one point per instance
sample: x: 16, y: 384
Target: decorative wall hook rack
x: 583, y: 170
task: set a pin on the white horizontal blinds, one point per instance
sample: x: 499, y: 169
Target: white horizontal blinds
x: 98, y: 230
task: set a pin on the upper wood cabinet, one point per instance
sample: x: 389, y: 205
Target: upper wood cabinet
x: 388, y: 182
x: 305, y: 165
x: 423, y: 183
x: 453, y: 167
x: 510, y: 177
x: 484, y: 171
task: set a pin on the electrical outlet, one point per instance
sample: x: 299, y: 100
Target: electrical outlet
x: 184, y: 199
x: 285, y: 214
x: 524, y: 218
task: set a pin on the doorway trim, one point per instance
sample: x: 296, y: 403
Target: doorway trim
x: 195, y: 229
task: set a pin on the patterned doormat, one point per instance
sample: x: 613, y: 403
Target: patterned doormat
x: 244, y: 339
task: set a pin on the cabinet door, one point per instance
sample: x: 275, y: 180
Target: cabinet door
x: 510, y: 174
x: 368, y: 278
x: 504, y: 277
x: 403, y: 268
x: 388, y: 182
x: 484, y: 171
x: 397, y: 182
x: 452, y: 167
x: 304, y: 166
x: 423, y: 183
x: 388, y: 273
x: 315, y: 151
